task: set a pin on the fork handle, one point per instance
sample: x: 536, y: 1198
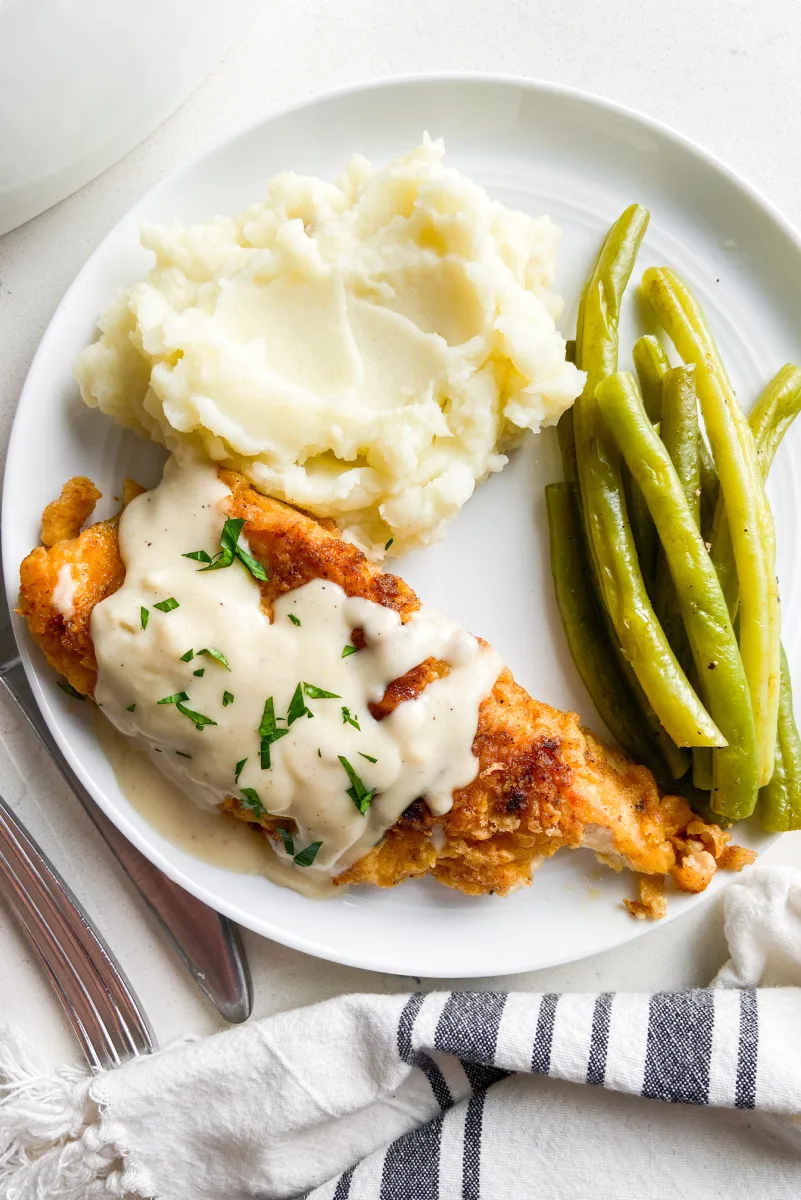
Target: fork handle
x: 208, y: 944
x: 90, y: 983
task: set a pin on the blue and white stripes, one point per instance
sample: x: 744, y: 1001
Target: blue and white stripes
x: 702, y: 1047
x: 450, y: 1095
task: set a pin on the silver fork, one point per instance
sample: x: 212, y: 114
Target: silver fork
x: 97, y: 998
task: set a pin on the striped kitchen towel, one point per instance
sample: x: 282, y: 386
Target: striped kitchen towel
x: 450, y: 1095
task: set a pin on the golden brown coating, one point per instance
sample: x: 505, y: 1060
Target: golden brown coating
x: 130, y: 490
x: 652, y: 904
x: 299, y: 548
x: 543, y: 782
x: 65, y: 517
x: 93, y: 561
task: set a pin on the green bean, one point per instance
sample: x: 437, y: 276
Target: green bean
x: 680, y: 435
x: 780, y: 801
x: 643, y: 531
x: 702, y: 768
x: 703, y: 606
x: 774, y: 413
x: 596, y: 353
x: 676, y: 760
x: 586, y: 637
x: 710, y: 485
x: 592, y: 275
x: 567, y: 445
x: 751, y: 521
x: 775, y: 434
x: 599, y: 309
x: 679, y: 432
x: 613, y: 553
x: 681, y: 438
x: 651, y: 362
x: 771, y: 417
x: 707, y: 469
x: 652, y: 365
x: 775, y: 804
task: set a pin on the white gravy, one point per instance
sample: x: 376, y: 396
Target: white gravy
x: 214, y: 837
x: 424, y: 748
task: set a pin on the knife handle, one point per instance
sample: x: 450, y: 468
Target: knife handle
x: 208, y: 944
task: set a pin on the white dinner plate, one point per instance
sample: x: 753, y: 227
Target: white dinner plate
x: 542, y: 149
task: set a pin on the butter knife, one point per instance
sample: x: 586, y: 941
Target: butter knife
x: 208, y: 944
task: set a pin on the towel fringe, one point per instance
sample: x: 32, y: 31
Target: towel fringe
x: 49, y: 1129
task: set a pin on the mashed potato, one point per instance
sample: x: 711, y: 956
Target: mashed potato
x: 366, y: 349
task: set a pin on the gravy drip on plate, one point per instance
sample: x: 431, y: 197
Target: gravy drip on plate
x: 212, y: 836
x: 271, y: 676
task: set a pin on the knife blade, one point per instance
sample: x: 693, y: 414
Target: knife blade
x: 208, y: 944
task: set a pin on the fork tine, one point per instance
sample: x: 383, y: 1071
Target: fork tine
x: 102, y: 1002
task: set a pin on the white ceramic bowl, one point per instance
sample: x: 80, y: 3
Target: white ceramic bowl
x: 82, y: 83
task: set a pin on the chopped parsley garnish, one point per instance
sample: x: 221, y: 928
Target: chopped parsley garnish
x: 317, y: 693
x: 305, y: 858
x: 182, y: 754
x: 167, y: 605
x: 297, y: 707
x: 389, y: 543
x: 230, y: 549
x: 268, y: 719
x: 348, y: 650
x: 144, y: 617
x: 228, y: 540
x: 289, y: 844
x: 228, y: 698
x: 252, y: 564
x: 201, y: 671
x: 295, y: 621
x: 217, y: 655
x: 252, y: 801
x: 269, y: 733
x: 369, y: 757
x: 70, y: 690
x: 198, y: 556
x: 190, y: 654
x: 347, y: 719
x: 358, y: 793
x: 131, y: 708
x: 197, y: 719
x: 238, y: 769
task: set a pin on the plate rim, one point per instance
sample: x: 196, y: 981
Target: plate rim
x: 255, y: 922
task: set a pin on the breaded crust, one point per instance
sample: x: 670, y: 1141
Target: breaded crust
x: 543, y: 782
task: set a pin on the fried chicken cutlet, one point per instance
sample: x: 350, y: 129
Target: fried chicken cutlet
x: 543, y: 782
